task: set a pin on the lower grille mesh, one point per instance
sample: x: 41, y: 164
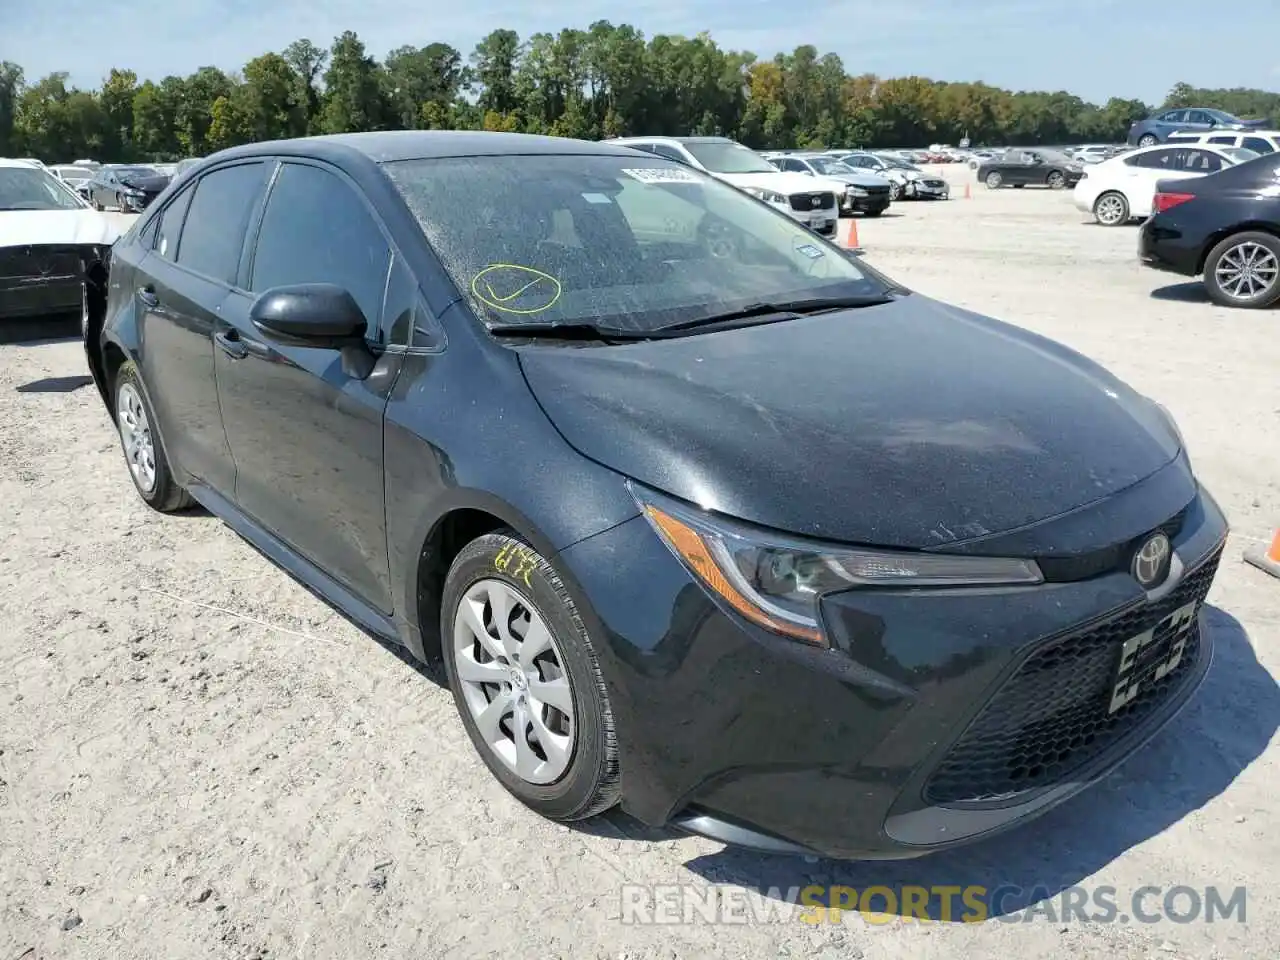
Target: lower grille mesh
x: 1053, y: 715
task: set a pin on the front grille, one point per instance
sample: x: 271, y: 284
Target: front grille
x: 1108, y: 559
x: 1052, y: 716
x: 812, y: 201
x: 934, y: 184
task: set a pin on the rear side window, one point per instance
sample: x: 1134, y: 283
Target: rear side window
x: 1156, y: 159
x: 1258, y: 145
x: 316, y: 229
x: 1225, y: 141
x: 169, y: 225
x: 1202, y: 161
x: 213, y: 236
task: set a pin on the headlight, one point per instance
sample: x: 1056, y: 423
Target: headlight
x: 857, y: 192
x: 768, y: 196
x: 133, y: 192
x: 776, y: 581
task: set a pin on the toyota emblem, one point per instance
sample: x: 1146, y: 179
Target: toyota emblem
x: 1151, y: 562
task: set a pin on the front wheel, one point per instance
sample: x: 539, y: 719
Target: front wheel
x: 1055, y: 181
x: 526, y: 679
x: 1148, y: 140
x: 1244, y: 271
x: 120, y: 203
x: 1111, y: 209
x: 895, y: 190
x: 143, y: 450
x: 994, y: 180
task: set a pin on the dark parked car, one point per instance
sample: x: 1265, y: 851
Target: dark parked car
x: 130, y: 189
x: 1018, y: 168
x: 650, y: 466
x: 1226, y: 227
x: 1157, y: 127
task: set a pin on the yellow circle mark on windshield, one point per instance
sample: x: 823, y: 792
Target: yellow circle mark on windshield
x: 511, y: 288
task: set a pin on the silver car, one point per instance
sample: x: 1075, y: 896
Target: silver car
x: 912, y: 182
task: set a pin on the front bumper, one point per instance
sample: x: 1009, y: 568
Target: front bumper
x: 930, y: 189
x: 938, y: 716
x: 130, y: 203
x: 822, y: 221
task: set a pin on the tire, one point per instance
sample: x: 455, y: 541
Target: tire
x: 874, y: 213
x: 1111, y: 209
x: 141, y: 443
x: 96, y: 205
x: 1055, y: 181
x: 1148, y: 140
x: 994, y: 180
x: 895, y: 191
x: 120, y: 203
x: 502, y: 565
x: 1224, y: 263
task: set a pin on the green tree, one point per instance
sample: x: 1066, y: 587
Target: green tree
x: 10, y: 90
x: 354, y: 98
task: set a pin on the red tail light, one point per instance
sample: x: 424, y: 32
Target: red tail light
x: 1167, y: 201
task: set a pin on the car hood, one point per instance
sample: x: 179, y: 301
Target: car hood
x: 912, y: 424
x: 22, y: 227
x: 784, y: 183
x: 859, y: 179
x: 147, y: 184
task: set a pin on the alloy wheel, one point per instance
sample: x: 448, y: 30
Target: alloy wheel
x: 994, y: 180
x: 514, y: 681
x: 1246, y: 271
x: 1109, y: 210
x: 135, y: 432
x: 1148, y: 140
x: 1056, y: 181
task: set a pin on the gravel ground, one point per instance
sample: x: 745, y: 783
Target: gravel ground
x: 200, y: 760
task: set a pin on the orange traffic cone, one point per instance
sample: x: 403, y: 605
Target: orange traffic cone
x: 849, y: 234
x: 1268, y: 561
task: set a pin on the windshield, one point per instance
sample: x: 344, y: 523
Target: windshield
x: 1241, y: 154
x: 629, y: 243
x: 830, y: 167
x: 728, y: 157
x: 898, y: 163
x: 31, y: 188
x: 134, y: 172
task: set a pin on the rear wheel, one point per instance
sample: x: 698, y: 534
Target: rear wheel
x: 1111, y: 209
x: 120, y: 203
x: 526, y: 679
x: 1148, y: 140
x: 143, y: 451
x: 994, y: 180
x: 1244, y: 271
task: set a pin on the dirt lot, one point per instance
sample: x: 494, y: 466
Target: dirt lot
x: 200, y: 760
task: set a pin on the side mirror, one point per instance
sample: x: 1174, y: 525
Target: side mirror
x: 309, y: 315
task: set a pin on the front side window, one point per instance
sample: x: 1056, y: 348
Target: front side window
x: 726, y: 156
x: 31, y: 188
x: 317, y: 230
x: 613, y: 241
x: 671, y: 153
x: 169, y: 225
x: 1258, y: 145
x: 213, y: 236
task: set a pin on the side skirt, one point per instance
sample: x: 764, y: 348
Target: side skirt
x: 304, y: 571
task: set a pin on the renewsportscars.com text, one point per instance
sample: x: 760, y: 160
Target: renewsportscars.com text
x: 689, y: 904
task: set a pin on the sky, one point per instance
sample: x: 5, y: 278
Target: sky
x: 1094, y: 48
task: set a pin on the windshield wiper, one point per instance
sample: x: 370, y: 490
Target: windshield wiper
x: 775, y: 312
x: 568, y: 331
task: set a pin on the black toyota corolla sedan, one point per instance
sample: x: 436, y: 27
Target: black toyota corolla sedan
x: 704, y: 515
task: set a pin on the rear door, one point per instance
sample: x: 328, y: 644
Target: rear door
x: 195, y: 248
x: 306, y: 434
x: 1144, y: 171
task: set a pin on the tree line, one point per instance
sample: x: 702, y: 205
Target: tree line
x: 600, y: 82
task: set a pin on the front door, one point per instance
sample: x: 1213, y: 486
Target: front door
x: 304, y: 428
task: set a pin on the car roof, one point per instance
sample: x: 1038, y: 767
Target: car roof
x: 391, y: 145
x: 673, y: 140
x: 25, y: 164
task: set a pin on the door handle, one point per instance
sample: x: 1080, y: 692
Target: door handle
x: 231, y: 344
x: 148, y: 296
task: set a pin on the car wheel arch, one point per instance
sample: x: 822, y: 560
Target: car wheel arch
x: 1217, y: 237
x: 464, y: 516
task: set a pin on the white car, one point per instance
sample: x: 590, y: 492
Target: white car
x: 911, y: 182
x: 1260, y: 141
x: 1119, y: 190
x: 50, y: 242
x: 812, y: 201
x: 1091, y: 153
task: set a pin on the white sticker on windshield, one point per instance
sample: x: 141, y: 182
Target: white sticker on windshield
x: 661, y: 175
x: 596, y: 198
x: 810, y: 251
